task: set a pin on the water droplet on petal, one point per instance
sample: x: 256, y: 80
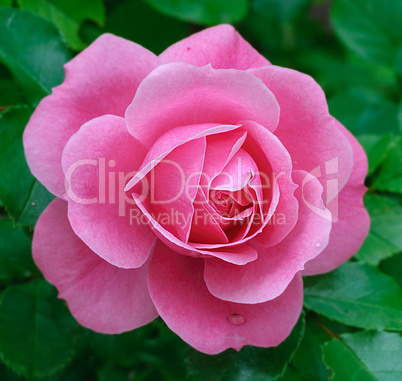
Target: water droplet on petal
x: 236, y: 319
x: 318, y: 244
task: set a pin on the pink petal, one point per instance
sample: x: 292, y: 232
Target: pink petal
x: 237, y: 173
x: 352, y: 227
x: 268, y: 276
x: 274, y: 163
x: 100, y: 296
x: 240, y: 254
x: 204, y: 227
x: 180, y: 94
x: 220, y: 150
x: 172, y: 139
x: 102, y: 216
x: 221, y: 46
x: 101, y: 80
x: 173, y: 187
x: 305, y: 127
x: 212, y: 325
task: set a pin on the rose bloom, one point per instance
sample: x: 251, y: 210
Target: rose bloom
x: 198, y: 185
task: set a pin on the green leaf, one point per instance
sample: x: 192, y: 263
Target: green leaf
x: 35, y: 339
x: 251, y: 363
x: 6, y: 3
x: 6, y: 374
x: 67, y: 15
x: 21, y: 194
x: 393, y: 267
x: 9, y: 94
x: 365, y: 112
x: 33, y: 50
x: 389, y: 177
x: 283, y: 11
x: 136, y: 20
x: 204, y: 12
x: 370, y: 28
x: 356, y: 294
x: 309, y: 352
x: 375, y: 147
x: 15, y: 253
x: 153, y: 346
x: 384, y: 238
x: 365, y: 356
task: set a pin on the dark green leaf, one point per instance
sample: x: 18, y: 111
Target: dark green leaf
x: 7, y: 374
x: 365, y: 112
x: 153, y: 345
x: 5, y: 3
x: 251, y: 363
x: 370, y: 28
x: 21, y: 194
x: 384, y: 238
x: 67, y: 15
x: 108, y: 373
x: 137, y: 21
x: 283, y: 11
x: 15, y: 253
x: 205, y: 12
x: 34, y: 338
x: 310, y: 353
x: 389, y: 177
x: 33, y: 50
x: 393, y: 267
x: 375, y: 147
x: 356, y: 294
x: 365, y: 356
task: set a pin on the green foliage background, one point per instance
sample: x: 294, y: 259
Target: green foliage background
x: 351, y: 327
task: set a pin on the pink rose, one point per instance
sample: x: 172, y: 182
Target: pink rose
x: 198, y: 185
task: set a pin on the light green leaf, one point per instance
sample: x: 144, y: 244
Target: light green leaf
x: 205, y: 12
x: 250, y: 364
x: 22, y: 195
x: 370, y: 28
x: 67, y: 15
x: 33, y: 50
x: 35, y: 338
x: 15, y: 253
x: 356, y: 294
x: 384, y: 238
x: 365, y: 356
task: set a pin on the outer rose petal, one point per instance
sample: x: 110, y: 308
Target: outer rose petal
x: 305, y: 126
x: 180, y: 94
x: 178, y: 290
x: 221, y: 46
x: 101, y: 80
x: 100, y: 296
x: 106, y: 225
x: 268, y: 276
x: 352, y: 227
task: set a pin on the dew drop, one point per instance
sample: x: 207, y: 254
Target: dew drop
x: 33, y: 203
x: 318, y: 244
x: 236, y: 319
